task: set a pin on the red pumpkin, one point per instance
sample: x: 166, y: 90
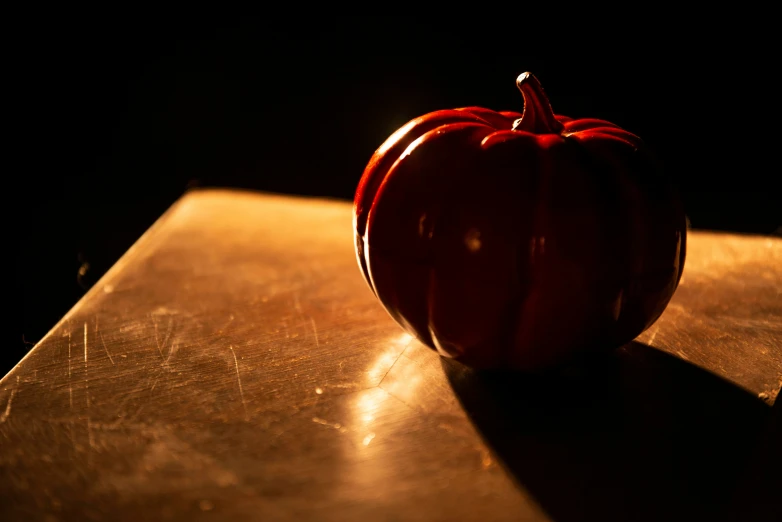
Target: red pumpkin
x: 509, y: 240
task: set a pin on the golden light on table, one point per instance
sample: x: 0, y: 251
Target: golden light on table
x: 234, y: 364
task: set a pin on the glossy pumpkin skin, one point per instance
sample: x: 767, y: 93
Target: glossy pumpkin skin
x: 522, y: 241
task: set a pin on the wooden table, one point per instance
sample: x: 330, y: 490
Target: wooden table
x: 233, y: 365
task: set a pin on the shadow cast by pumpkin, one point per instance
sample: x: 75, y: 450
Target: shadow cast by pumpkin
x: 638, y: 436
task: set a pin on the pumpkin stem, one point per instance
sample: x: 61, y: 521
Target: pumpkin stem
x: 538, y: 116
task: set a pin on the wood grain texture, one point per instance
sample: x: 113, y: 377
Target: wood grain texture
x: 233, y: 365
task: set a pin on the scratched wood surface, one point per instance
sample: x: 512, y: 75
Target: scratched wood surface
x: 233, y: 365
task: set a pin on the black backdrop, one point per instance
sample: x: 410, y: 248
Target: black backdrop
x: 122, y: 115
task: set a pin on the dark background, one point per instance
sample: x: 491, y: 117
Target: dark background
x: 121, y: 116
